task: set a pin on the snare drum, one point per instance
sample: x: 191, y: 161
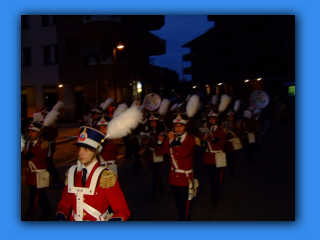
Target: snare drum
x: 251, y: 137
x: 236, y: 143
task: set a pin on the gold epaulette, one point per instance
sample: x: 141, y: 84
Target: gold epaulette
x: 107, y: 179
x: 198, y: 142
x: 66, y: 181
x: 44, y: 144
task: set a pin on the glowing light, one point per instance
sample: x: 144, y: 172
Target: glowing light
x: 258, y: 79
x: 220, y: 84
x: 60, y: 85
x: 139, y: 87
x: 120, y: 46
x: 194, y: 86
x: 246, y: 80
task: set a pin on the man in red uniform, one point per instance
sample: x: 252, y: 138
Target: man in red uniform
x: 230, y: 129
x: 154, y: 128
x: 91, y: 188
x: 248, y: 130
x: 110, y: 150
x: 213, y: 142
x: 180, y: 146
x: 94, y: 114
x: 50, y: 133
x: 35, y: 153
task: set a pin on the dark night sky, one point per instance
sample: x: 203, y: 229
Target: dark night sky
x: 178, y: 30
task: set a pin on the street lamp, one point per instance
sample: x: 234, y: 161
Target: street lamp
x: 119, y: 46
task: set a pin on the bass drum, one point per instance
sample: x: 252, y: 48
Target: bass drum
x: 259, y: 99
x: 152, y: 101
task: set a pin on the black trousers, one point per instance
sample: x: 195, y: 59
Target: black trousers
x: 137, y: 162
x: 214, y: 178
x: 180, y: 195
x: 38, y: 197
x: 157, y: 185
x: 250, y: 148
x: 231, y: 162
x: 51, y: 167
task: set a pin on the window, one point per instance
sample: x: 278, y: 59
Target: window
x: 25, y: 57
x: 48, y: 20
x: 49, y: 55
x: 25, y: 22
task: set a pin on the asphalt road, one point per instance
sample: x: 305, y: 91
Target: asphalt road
x: 263, y: 191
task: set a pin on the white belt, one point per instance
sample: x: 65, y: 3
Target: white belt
x: 38, y: 170
x: 34, y: 169
x: 94, y: 213
x: 109, y: 162
x: 218, y: 151
x: 181, y: 171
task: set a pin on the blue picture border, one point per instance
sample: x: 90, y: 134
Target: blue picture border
x: 306, y: 225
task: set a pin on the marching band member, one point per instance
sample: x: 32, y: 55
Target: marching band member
x: 155, y: 162
x: 91, y: 188
x: 213, y: 142
x: 230, y: 129
x: 50, y: 133
x: 248, y: 129
x: 180, y: 146
x: 94, y: 114
x: 35, y: 153
x: 110, y: 150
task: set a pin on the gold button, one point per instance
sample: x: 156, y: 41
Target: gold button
x: 84, y: 214
x: 84, y: 199
x: 96, y: 193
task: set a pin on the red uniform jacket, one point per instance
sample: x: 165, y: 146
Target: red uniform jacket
x: 50, y: 134
x: 100, y: 200
x: 247, y: 127
x: 227, y: 128
x: 110, y: 151
x: 39, y: 159
x: 150, y: 143
x: 217, y: 143
x: 183, y: 155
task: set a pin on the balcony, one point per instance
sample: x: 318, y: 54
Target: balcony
x: 152, y: 45
x: 188, y: 56
x: 187, y: 70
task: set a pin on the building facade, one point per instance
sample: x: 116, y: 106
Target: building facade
x: 75, y: 59
x: 243, y: 54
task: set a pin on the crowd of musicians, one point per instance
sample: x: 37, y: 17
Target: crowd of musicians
x: 166, y: 131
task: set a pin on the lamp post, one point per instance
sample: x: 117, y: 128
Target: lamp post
x: 119, y: 46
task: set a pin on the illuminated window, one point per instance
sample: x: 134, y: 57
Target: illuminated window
x: 292, y: 90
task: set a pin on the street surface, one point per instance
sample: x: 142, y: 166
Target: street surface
x: 263, y: 191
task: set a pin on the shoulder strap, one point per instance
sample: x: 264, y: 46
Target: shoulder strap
x: 71, y: 174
